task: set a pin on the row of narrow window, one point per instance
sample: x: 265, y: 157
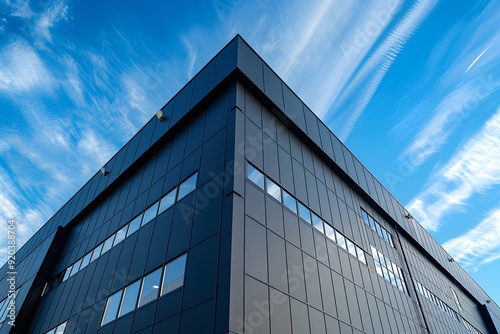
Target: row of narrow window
x: 58, y: 329
x: 176, y: 194
x: 444, y: 307
x: 389, y: 270
x: 377, y: 228
x: 144, y: 290
x: 291, y: 203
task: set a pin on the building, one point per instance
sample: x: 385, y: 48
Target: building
x: 236, y: 210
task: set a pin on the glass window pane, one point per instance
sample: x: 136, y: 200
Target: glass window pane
x: 120, y: 235
x: 168, y: 200
x: 365, y: 217
x: 273, y: 189
x: 134, y: 224
x: 96, y: 252
x: 361, y: 255
x: 304, y: 213
x: 372, y: 223
x: 85, y: 260
x: 130, y: 296
x: 76, y: 267
x: 340, y: 240
x: 150, y: 287
x: 187, y: 186
x: 351, y: 248
x: 111, y: 309
x: 255, y: 176
x: 317, y: 223
x: 290, y: 202
x: 174, y: 275
x: 52, y: 331
x: 107, y: 244
x: 60, y: 329
x: 67, y: 273
x: 150, y: 214
x: 330, y: 232
x: 378, y: 268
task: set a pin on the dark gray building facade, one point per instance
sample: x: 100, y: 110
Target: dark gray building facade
x: 236, y: 210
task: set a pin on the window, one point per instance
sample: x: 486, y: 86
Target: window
x: 96, y: 252
x: 351, y: 248
x: 174, y: 275
x: 304, y: 213
x: 76, y: 267
x: 150, y: 287
x: 134, y: 224
x: 255, y: 176
x: 187, y: 186
x: 120, y: 235
x: 111, y: 310
x: 85, y: 260
x: 361, y: 255
x: 456, y: 298
x: 317, y: 223
x: 273, y: 189
x: 67, y: 273
x: 389, y: 270
x: 330, y: 232
x: 168, y: 200
x: 290, y: 202
x: 58, y: 330
x: 150, y: 214
x: 340, y: 240
x: 375, y: 226
x: 130, y: 296
x: 107, y: 244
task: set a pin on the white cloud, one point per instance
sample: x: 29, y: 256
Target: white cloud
x: 478, y: 246
x: 55, y: 13
x: 73, y: 84
x: 22, y: 69
x: 473, y: 169
x: 21, y: 8
x: 458, y: 91
x: 356, y: 95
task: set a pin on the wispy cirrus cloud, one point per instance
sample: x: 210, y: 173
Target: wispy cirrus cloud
x: 472, y: 170
x: 22, y: 69
x: 463, y: 84
x: 57, y: 11
x: 355, y: 96
x: 478, y: 246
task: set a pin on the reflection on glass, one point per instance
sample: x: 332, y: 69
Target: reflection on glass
x: 134, y: 224
x: 340, y: 240
x: 174, y: 275
x: 130, y: 296
x: 330, y: 232
x: 150, y: 287
x: 255, y: 176
x: 304, y: 213
x: 290, y: 202
x: 168, y: 200
x: 120, y: 235
x: 187, y: 186
x: 111, y: 309
x: 317, y: 223
x: 150, y: 214
x: 107, y: 244
x: 96, y: 252
x: 273, y: 189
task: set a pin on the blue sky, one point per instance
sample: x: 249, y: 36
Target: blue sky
x: 411, y: 87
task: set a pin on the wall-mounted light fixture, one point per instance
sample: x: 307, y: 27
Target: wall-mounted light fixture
x: 104, y: 171
x: 451, y: 259
x: 160, y: 115
x: 408, y: 216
